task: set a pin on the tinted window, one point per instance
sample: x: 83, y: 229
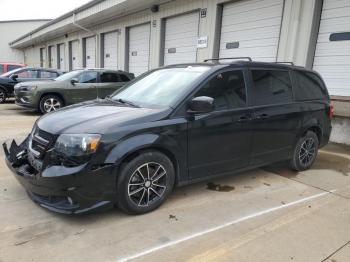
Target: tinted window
x: 227, y: 89
x: 272, y: 86
x: 28, y: 74
x: 124, y: 78
x: 109, y: 77
x: 12, y: 67
x: 88, y: 77
x: 2, y: 69
x: 48, y: 74
x: 308, y: 86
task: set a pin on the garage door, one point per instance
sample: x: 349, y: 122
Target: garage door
x: 251, y: 28
x: 139, y: 38
x: 332, y: 56
x: 61, y: 56
x: 181, y: 35
x: 90, y: 52
x: 110, y: 50
x: 52, y: 57
x: 75, y: 63
x: 42, y: 57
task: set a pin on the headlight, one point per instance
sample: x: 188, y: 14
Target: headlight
x: 76, y: 145
x: 28, y: 88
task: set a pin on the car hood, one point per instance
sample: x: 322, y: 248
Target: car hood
x: 98, y: 117
x: 4, y: 79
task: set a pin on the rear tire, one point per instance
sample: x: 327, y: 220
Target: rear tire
x: 3, y: 95
x: 305, y: 152
x: 145, y: 182
x: 50, y: 103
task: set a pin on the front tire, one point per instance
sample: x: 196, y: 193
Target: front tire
x: 305, y: 152
x: 3, y: 96
x: 50, y: 103
x: 145, y: 182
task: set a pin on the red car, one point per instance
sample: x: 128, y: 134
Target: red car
x: 5, y: 67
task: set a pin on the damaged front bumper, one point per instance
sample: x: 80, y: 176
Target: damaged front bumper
x: 67, y: 190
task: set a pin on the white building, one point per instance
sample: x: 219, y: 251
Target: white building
x: 11, y: 30
x: 137, y: 35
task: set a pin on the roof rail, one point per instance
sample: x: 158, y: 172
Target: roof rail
x: 230, y: 58
x: 290, y: 63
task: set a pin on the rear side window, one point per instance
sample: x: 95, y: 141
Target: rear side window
x: 48, y: 74
x: 109, y: 78
x: 272, y: 87
x: 308, y: 86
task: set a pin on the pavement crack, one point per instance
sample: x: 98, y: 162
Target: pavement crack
x: 347, y: 243
x: 319, y: 188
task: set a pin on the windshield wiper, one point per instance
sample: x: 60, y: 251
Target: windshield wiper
x: 123, y: 101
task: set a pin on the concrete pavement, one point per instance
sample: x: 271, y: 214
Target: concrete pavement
x: 269, y: 214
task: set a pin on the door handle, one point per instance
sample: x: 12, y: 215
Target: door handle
x: 262, y: 116
x: 244, y: 118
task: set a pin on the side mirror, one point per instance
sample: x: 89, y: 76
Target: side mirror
x: 14, y: 77
x: 74, y: 81
x: 201, y: 104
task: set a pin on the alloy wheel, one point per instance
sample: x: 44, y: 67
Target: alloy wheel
x: 51, y: 104
x: 147, y: 184
x: 307, y: 151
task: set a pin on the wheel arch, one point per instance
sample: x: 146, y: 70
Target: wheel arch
x: 51, y: 93
x: 130, y: 148
x: 4, y: 88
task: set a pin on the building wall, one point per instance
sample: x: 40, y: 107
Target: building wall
x: 11, y: 30
x: 294, y: 37
x: 297, y: 43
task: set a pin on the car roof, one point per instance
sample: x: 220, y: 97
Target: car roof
x: 100, y: 70
x: 240, y: 63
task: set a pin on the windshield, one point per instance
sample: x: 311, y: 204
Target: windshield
x: 11, y: 72
x: 69, y: 75
x: 162, y: 87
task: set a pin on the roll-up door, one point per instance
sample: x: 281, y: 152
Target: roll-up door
x: 90, y: 52
x: 74, y: 55
x: 332, y: 56
x: 251, y: 28
x: 181, y: 35
x: 52, y: 57
x: 61, y: 56
x: 139, y: 44
x: 110, y: 50
x: 42, y: 57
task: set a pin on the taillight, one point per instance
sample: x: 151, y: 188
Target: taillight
x: 331, y: 110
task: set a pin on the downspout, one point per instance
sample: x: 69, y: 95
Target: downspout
x: 96, y: 39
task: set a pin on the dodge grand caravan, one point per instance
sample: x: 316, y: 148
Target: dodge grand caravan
x: 169, y: 127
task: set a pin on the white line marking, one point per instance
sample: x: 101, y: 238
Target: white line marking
x: 230, y: 223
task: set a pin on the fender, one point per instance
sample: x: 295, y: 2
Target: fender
x: 309, y: 123
x: 144, y: 141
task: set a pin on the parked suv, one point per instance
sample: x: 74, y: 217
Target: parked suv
x: 172, y: 126
x: 73, y: 87
x: 11, y: 78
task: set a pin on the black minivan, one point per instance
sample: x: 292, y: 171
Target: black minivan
x: 172, y: 126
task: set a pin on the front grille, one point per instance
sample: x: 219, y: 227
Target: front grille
x: 40, y: 142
